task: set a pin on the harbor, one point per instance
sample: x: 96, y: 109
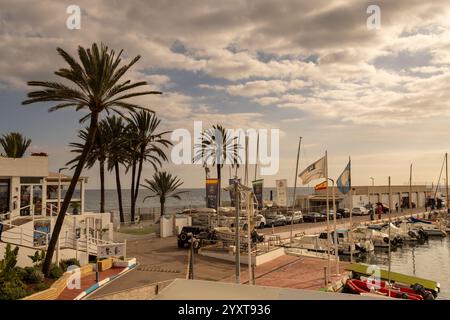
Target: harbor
x: 248, y: 150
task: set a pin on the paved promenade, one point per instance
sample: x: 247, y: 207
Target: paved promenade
x: 160, y: 260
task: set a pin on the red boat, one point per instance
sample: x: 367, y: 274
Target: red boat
x: 358, y: 286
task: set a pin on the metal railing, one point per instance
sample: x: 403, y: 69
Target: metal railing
x: 26, y: 237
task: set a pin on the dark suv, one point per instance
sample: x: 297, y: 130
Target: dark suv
x: 197, y: 232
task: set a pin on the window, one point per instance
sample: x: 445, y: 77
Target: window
x: 5, y: 193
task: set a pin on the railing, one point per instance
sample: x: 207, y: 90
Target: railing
x: 26, y: 237
x: 5, y: 216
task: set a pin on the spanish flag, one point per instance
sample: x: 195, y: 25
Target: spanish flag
x: 321, y: 186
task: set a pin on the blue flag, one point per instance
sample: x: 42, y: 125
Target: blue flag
x: 344, y: 182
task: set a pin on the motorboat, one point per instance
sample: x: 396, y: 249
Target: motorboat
x: 404, y: 233
x: 430, y: 228
x: 344, y: 242
x: 361, y: 287
x: 312, y: 242
x: 378, y: 238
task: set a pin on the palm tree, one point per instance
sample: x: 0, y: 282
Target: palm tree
x: 97, y: 86
x: 14, y: 144
x: 146, y: 145
x: 217, y: 147
x: 164, y: 186
x: 114, y: 129
x: 98, y: 153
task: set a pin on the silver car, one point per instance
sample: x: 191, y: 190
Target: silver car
x: 297, y: 216
x: 276, y: 220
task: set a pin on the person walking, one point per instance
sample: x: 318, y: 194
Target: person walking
x: 380, y: 211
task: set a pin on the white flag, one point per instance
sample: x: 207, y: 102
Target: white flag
x: 314, y: 171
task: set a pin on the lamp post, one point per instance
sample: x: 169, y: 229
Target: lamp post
x: 371, y: 178
x: 335, y: 237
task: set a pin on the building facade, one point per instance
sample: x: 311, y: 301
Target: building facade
x: 361, y: 196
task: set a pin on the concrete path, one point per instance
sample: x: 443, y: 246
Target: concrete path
x: 86, y: 282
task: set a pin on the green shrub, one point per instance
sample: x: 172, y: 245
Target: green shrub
x: 34, y: 275
x: 11, y: 286
x: 38, y: 257
x: 56, y: 271
x: 42, y: 286
x: 21, y: 273
x: 65, y: 264
x: 12, y: 290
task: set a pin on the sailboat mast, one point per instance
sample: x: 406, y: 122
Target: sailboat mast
x: 446, y: 180
x: 295, y: 185
x: 410, y: 186
x: 389, y: 236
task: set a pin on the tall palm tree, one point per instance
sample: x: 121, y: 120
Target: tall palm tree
x: 217, y: 147
x: 14, y: 144
x: 97, y: 86
x: 164, y: 186
x: 146, y: 145
x: 98, y: 153
x: 115, y: 129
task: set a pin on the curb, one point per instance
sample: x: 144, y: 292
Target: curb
x: 100, y: 284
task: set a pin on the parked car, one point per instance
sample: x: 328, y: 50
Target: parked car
x: 338, y: 215
x: 297, y: 216
x: 260, y: 221
x: 314, y: 217
x: 344, y: 212
x: 196, y: 231
x: 360, y: 211
x: 275, y: 220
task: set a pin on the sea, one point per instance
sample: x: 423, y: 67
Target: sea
x: 190, y: 198
x: 430, y: 260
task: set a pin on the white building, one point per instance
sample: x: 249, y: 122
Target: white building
x: 29, y: 207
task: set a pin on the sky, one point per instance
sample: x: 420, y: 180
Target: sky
x: 308, y: 68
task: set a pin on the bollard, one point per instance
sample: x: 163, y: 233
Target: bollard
x: 325, y: 271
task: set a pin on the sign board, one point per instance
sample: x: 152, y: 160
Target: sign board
x: 212, y: 192
x: 258, y: 191
x: 282, y: 192
x: 111, y: 250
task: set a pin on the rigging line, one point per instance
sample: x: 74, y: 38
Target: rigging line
x: 439, y: 180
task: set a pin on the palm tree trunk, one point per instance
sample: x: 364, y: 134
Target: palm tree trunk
x: 162, y: 201
x: 119, y: 191
x: 133, y: 179
x: 102, y: 185
x: 73, y: 183
x: 139, y: 173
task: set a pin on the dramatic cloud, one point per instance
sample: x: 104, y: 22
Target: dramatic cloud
x: 287, y: 64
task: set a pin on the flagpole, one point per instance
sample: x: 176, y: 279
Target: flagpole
x: 328, y: 219
x: 295, y: 186
x: 351, y: 205
x: 336, y: 248
x: 389, y: 236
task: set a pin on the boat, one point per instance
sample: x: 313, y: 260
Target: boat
x: 415, y: 288
x: 311, y: 242
x: 431, y: 229
x: 404, y: 233
x: 360, y: 287
x: 358, y: 245
x: 365, y: 270
x: 378, y: 238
